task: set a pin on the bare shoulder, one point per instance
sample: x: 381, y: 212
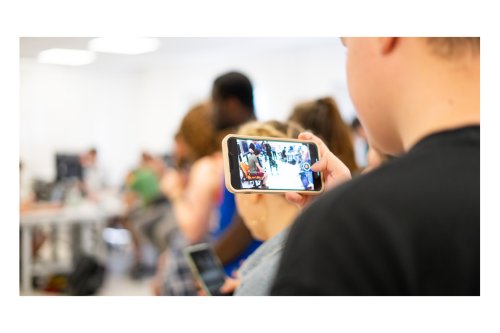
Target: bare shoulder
x: 207, y: 172
x: 211, y: 163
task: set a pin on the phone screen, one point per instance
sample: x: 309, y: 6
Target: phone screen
x: 273, y: 165
x: 209, y: 269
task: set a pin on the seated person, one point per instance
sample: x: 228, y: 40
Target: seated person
x: 146, y: 206
x: 268, y: 217
x: 194, y: 200
x: 255, y: 169
x: 305, y: 177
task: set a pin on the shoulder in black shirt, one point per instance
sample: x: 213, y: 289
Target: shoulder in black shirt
x: 410, y: 227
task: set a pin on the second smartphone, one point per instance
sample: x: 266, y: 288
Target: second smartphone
x: 270, y: 165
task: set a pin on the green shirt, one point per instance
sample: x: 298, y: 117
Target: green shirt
x: 146, y: 185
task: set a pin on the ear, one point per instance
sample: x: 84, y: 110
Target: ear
x: 254, y: 198
x: 387, y: 44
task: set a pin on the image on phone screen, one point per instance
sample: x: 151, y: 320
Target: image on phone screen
x: 273, y: 165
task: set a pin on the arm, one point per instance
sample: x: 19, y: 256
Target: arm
x: 233, y: 241
x: 193, y: 205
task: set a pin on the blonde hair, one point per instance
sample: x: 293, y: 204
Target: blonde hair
x: 272, y: 128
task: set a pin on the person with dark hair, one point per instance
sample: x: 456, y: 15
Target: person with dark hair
x: 411, y: 226
x: 251, y: 147
x: 255, y: 169
x: 232, y: 96
x: 233, y: 105
x: 360, y: 143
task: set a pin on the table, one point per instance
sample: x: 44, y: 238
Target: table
x: 86, y: 215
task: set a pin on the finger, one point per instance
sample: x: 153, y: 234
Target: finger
x: 228, y: 286
x: 225, y: 289
x: 323, y: 149
x: 329, y: 163
x: 305, y: 136
x: 296, y: 198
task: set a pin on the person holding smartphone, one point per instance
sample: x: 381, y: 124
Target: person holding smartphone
x: 268, y: 217
x: 410, y: 227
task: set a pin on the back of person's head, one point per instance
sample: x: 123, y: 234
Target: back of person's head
x: 453, y: 47
x: 272, y: 128
x: 146, y: 156
x: 197, y: 132
x: 323, y: 118
x: 232, y: 95
x: 235, y: 85
x: 258, y: 210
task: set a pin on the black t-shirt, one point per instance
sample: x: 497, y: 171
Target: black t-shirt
x: 410, y: 227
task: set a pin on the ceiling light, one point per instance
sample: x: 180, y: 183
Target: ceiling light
x: 67, y: 57
x: 124, y: 45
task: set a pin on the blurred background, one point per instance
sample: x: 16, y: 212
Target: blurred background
x: 93, y: 109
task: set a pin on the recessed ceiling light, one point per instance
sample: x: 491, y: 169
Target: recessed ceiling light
x: 124, y: 45
x: 68, y: 57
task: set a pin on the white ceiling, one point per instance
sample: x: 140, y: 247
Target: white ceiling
x: 179, y: 48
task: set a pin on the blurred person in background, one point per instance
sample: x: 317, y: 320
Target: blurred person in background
x: 412, y: 226
x: 194, y: 201
x: 360, y: 142
x: 93, y: 175
x: 322, y: 117
x: 233, y: 105
x: 146, y: 205
x: 255, y: 169
x: 268, y: 217
x: 153, y: 163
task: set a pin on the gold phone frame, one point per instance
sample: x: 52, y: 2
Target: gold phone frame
x: 227, y: 169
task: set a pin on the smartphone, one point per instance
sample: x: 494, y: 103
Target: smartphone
x: 270, y: 165
x: 206, y: 268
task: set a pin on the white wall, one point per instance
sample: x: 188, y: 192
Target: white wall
x: 68, y: 110
x: 123, y: 110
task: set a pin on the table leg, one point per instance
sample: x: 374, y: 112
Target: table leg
x: 54, y: 242
x: 86, y: 238
x: 26, y: 260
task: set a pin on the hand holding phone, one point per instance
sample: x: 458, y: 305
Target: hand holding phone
x: 270, y: 165
x: 334, y: 170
